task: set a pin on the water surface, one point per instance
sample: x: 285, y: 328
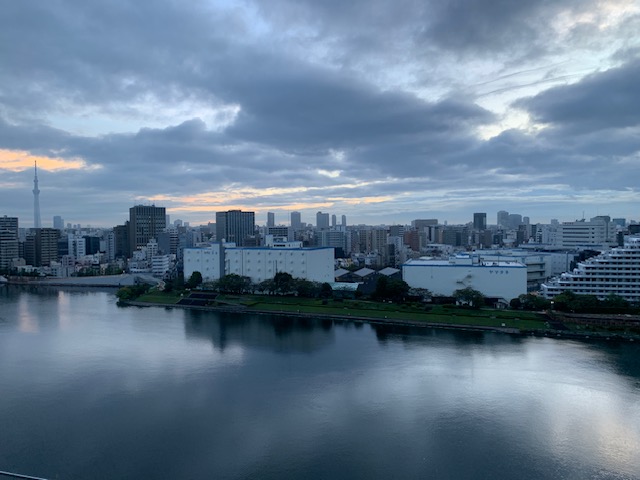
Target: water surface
x: 92, y: 390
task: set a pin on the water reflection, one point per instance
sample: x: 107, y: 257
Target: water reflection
x: 138, y: 393
x: 273, y: 332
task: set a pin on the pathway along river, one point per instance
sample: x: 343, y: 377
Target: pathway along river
x: 90, y: 390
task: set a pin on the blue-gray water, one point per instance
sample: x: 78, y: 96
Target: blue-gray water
x: 89, y: 390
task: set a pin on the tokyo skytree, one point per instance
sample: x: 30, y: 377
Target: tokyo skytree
x: 36, y: 199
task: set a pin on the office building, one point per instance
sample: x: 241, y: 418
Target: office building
x: 271, y: 219
x: 145, y: 223
x: 41, y: 246
x: 597, y: 233
x: 121, y: 243
x: 421, y: 224
x: 503, y: 219
x: 281, y: 232
x: 58, y: 222
x: 296, y: 220
x: 236, y: 226
x: 479, y: 221
x: 9, y: 245
x: 322, y: 220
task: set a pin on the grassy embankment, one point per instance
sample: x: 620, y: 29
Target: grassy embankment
x: 375, y: 310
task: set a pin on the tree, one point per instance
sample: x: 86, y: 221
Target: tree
x: 267, y: 286
x: 326, y: 291
x: 615, y: 301
x: 390, y: 289
x: 132, y: 292
x: 194, y: 280
x: 571, y: 302
x: 528, y: 301
x: 380, y: 293
x: 283, y: 282
x: 306, y: 288
x: 516, y: 303
x: 469, y: 296
x: 233, y: 283
x: 424, y: 294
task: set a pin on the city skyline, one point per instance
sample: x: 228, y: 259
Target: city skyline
x: 381, y: 111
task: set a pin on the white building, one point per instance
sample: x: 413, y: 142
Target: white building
x: 597, y: 233
x: 502, y: 279
x: 209, y: 261
x: 160, y: 264
x: 614, y: 271
x: 539, y: 264
x: 260, y: 263
x: 77, y: 245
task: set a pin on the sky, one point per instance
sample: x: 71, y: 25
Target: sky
x: 381, y: 110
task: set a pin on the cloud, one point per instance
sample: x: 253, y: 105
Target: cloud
x: 600, y: 101
x: 372, y: 109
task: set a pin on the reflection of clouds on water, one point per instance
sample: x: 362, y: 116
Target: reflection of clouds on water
x: 273, y: 332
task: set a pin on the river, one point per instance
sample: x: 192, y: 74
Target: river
x: 90, y: 390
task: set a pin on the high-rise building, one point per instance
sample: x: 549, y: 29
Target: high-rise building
x: 396, y: 231
x: 514, y: 221
x: 334, y: 220
x: 169, y: 241
x: 77, y: 246
x: 37, y: 223
x: 58, y: 222
x: 9, y: 248
x: 421, y: 224
x: 235, y: 226
x: 271, y: 219
x: 503, y: 219
x: 344, y: 220
x: 91, y: 244
x: 9, y: 223
x: 322, y: 220
x: 145, y: 223
x: 296, y: 220
x: 121, y: 243
x: 41, y: 246
x: 479, y: 221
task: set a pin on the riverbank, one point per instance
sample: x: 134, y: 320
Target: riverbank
x: 101, y: 281
x: 506, y: 322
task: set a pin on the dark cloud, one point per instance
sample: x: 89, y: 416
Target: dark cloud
x: 336, y: 99
x: 601, y: 101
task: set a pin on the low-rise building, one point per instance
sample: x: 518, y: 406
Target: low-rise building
x: 500, y: 279
x: 260, y: 263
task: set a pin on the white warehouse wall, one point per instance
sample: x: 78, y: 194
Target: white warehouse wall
x: 260, y: 263
x: 493, y: 279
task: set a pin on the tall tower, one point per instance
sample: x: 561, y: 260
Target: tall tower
x: 36, y: 199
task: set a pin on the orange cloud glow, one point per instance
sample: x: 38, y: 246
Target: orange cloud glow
x: 18, y: 160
